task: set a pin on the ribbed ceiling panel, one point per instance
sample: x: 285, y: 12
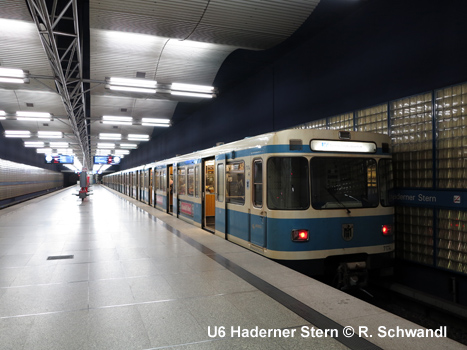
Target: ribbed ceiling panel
x: 15, y: 9
x: 171, y: 19
x: 191, y: 62
x: 254, y: 24
x: 251, y: 24
x: 21, y: 48
x: 123, y: 54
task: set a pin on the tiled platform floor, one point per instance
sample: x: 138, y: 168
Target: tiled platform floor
x: 134, y: 284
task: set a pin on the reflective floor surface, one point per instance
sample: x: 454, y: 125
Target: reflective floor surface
x: 131, y: 283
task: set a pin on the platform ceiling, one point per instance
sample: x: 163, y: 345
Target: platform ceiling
x: 167, y: 41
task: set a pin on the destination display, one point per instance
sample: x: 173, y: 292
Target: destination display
x: 59, y: 159
x: 112, y: 160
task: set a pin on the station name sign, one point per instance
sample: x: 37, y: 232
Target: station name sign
x: 427, y: 198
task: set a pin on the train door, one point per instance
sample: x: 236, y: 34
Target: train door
x: 258, y: 214
x: 151, y: 192
x: 221, y: 208
x: 170, y: 189
x: 208, y: 195
x: 175, y: 191
x: 130, y: 189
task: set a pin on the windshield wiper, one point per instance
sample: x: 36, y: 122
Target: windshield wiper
x: 337, y: 200
x: 352, y: 197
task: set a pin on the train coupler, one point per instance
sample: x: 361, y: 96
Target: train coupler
x: 352, y: 275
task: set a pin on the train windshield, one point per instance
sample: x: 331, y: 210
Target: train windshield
x: 343, y: 183
x: 288, y: 185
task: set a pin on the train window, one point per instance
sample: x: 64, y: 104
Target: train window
x: 287, y: 185
x: 258, y: 183
x: 164, y: 180
x: 343, y: 183
x: 386, y: 181
x: 220, y: 182
x: 235, y: 182
x: 191, y: 181
x: 181, y: 176
x: 157, y: 180
x: 197, y: 180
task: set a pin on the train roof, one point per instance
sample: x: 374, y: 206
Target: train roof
x: 273, y: 138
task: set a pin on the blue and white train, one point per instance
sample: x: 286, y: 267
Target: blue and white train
x: 320, y: 196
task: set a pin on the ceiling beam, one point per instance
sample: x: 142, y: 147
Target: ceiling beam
x: 58, y: 26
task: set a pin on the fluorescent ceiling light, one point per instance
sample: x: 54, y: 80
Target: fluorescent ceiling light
x: 33, y: 114
x: 11, y: 80
x: 105, y: 136
x: 150, y: 84
x: 111, y: 122
x: 105, y: 145
x: 192, y: 88
x: 132, y: 89
x: 156, y: 124
x: 133, y: 85
x: 138, y: 137
x: 59, y: 144
x: 44, y: 150
x: 11, y: 75
x: 117, y: 118
x: 2, y: 114
x: 50, y: 134
x: 11, y: 72
x: 17, y: 133
x: 129, y: 145
x: 190, y: 94
x: 34, y: 144
x: 103, y: 152
x: 33, y: 119
x: 122, y: 151
x: 162, y: 122
x: 156, y: 120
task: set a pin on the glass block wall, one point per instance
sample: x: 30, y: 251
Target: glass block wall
x: 451, y: 115
x: 341, y: 122
x: 315, y: 124
x: 414, y: 234
x: 411, y: 135
x: 452, y: 240
x: 434, y: 235
x: 373, y: 119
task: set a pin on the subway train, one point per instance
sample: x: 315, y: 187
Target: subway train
x: 318, y: 197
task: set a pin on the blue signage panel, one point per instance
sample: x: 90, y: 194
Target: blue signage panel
x: 59, y: 159
x: 112, y: 160
x: 451, y: 199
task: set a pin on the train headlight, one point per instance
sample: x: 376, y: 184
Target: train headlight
x: 386, y: 230
x: 300, y: 235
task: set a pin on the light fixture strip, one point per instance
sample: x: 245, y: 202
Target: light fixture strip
x: 33, y: 114
x: 191, y: 94
x: 116, y: 118
x: 107, y: 136
x: 156, y: 120
x: 142, y: 83
x: 156, y: 125
x: 192, y: 88
x: 12, y: 73
x: 111, y: 122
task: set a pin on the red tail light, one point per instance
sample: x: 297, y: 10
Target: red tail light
x: 386, y: 230
x: 300, y: 235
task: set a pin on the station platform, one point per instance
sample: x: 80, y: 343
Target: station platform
x: 113, y: 273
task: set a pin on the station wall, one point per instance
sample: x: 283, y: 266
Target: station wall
x: 429, y: 142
